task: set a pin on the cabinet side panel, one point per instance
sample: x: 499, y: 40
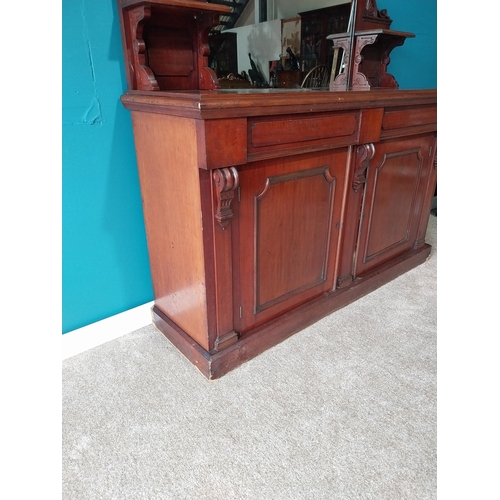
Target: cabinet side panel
x: 169, y: 176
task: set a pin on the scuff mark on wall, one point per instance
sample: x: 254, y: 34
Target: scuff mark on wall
x: 93, y: 114
x: 290, y: 35
x: 91, y: 60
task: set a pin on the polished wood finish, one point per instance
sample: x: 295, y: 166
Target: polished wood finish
x: 244, y: 103
x: 269, y: 135
x: 396, y: 183
x: 368, y: 62
x: 215, y: 364
x: 289, y: 227
x: 165, y: 43
x: 366, y: 46
x: 369, y: 16
x: 174, y: 222
x: 252, y: 235
x: 267, y: 209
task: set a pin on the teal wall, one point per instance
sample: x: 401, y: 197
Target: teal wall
x: 414, y: 64
x: 105, y: 266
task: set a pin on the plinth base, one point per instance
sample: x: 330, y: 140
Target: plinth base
x: 253, y: 343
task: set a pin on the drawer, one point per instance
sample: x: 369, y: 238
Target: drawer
x: 268, y: 137
x: 422, y: 118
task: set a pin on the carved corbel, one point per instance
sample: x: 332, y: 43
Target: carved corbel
x: 365, y: 154
x: 226, y: 182
x: 207, y: 77
x: 143, y: 75
x: 340, y: 81
x: 383, y: 44
x: 359, y: 80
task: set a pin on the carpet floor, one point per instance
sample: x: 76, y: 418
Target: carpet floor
x: 345, y: 409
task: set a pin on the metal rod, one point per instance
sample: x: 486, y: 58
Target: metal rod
x: 351, y: 30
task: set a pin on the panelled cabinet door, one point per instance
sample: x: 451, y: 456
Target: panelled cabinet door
x: 289, y: 223
x: 394, y: 193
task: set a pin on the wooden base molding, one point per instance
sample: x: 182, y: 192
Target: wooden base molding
x: 215, y: 365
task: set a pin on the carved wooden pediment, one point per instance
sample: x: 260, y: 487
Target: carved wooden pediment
x: 370, y: 16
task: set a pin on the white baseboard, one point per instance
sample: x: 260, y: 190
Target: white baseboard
x: 100, y: 332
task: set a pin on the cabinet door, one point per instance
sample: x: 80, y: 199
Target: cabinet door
x: 289, y: 221
x: 396, y: 184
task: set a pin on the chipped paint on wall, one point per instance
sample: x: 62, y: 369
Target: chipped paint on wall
x: 290, y: 35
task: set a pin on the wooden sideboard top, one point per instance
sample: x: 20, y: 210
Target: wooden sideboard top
x: 224, y: 103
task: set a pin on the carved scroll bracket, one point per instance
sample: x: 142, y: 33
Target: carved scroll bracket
x: 360, y: 82
x: 340, y: 81
x: 365, y: 153
x: 143, y: 75
x: 207, y: 76
x: 226, y: 182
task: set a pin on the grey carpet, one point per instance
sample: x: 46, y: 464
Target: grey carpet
x: 345, y: 409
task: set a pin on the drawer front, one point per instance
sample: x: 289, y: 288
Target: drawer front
x: 285, y: 135
x: 405, y: 120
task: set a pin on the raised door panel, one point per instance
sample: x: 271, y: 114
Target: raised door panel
x: 290, y: 217
x: 395, y: 188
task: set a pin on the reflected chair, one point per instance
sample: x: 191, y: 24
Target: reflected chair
x: 317, y: 77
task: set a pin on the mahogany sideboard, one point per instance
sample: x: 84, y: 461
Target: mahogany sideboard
x: 266, y: 210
